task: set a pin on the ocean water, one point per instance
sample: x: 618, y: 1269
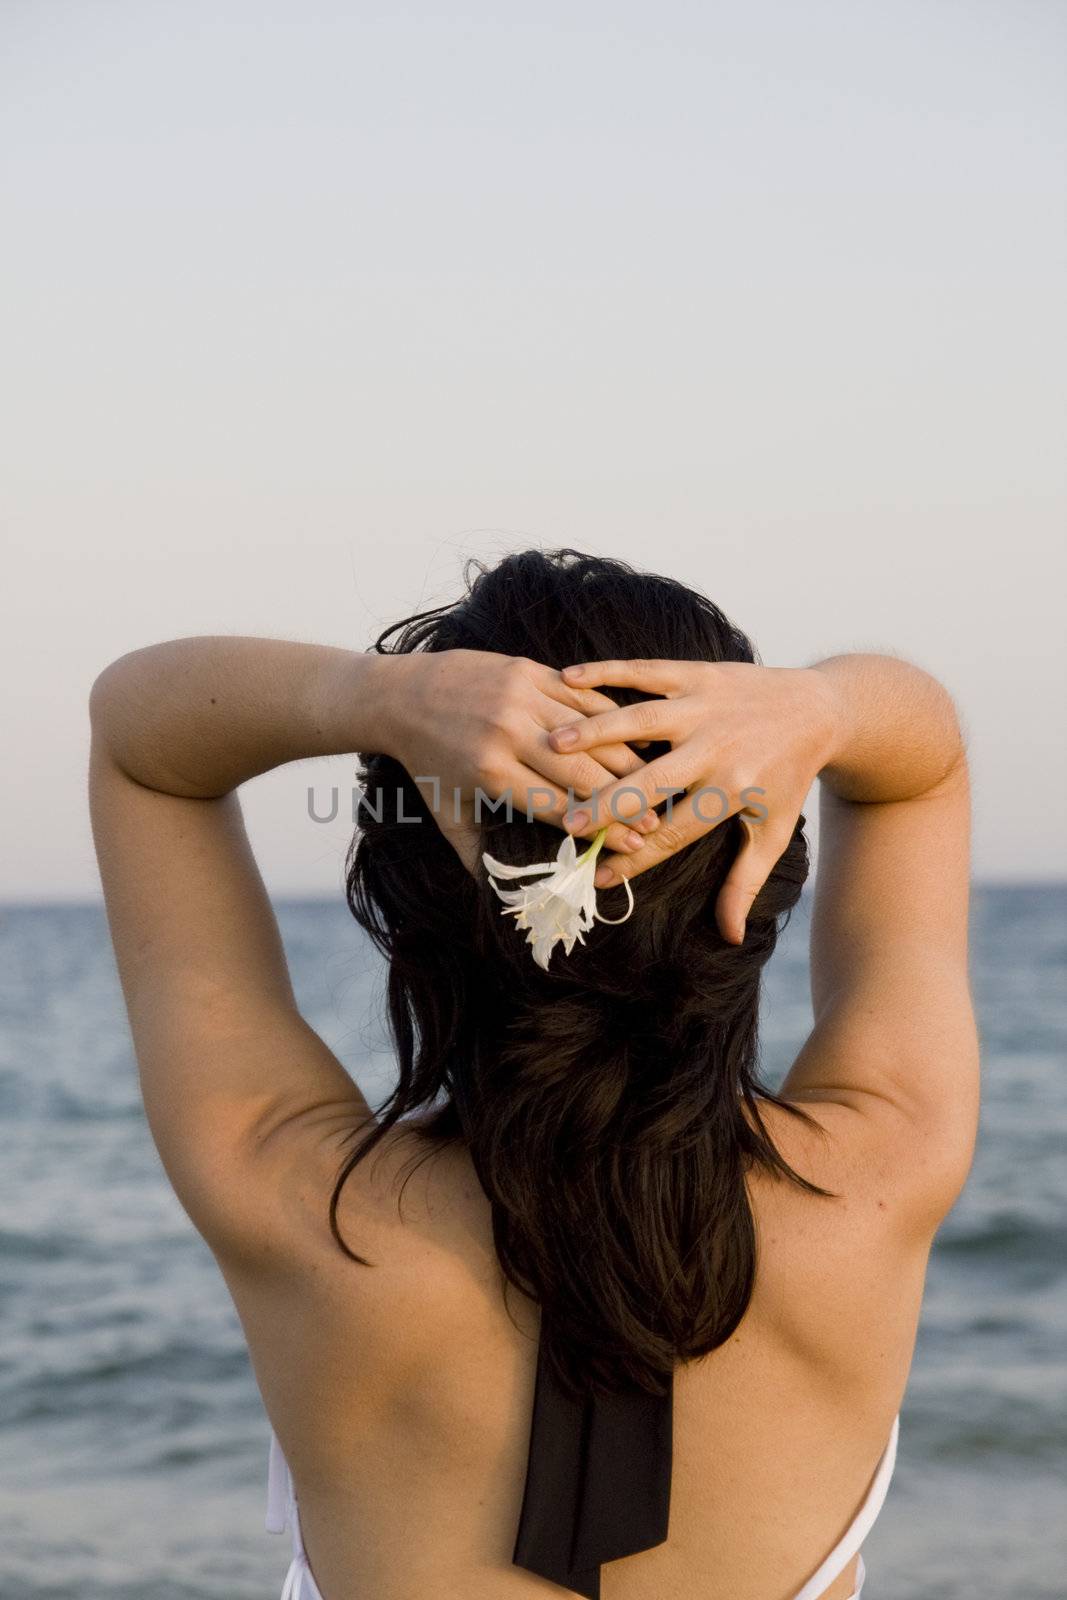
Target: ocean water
x: 133, y: 1444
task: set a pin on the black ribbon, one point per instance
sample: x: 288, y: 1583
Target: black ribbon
x: 598, y: 1480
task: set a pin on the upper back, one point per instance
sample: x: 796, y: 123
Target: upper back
x: 402, y: 1392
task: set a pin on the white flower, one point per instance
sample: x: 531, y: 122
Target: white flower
x: 562, y: 907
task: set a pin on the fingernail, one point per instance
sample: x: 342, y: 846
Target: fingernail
x: 603, y: 877
x: 565, y: 737
x: 578, y: 821
x: 633, y: 840
x: 574, y: 672
x: 649, y: 821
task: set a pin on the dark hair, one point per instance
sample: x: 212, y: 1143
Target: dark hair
x: 611, y: 1106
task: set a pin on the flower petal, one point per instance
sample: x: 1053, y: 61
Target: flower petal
x: 500, y: 869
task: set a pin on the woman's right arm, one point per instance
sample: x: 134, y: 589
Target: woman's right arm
x: 894, y: 1034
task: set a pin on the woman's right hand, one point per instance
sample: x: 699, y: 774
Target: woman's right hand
x: 470, y: 721
x: 745, y: 740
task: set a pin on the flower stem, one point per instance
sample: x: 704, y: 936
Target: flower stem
x: 594, y: 848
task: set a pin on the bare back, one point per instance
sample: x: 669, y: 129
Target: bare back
x: 402, y: 1393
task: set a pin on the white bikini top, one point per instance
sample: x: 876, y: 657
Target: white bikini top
x: 282, y: 1512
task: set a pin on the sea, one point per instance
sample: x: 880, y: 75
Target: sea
x: 133, y: 1443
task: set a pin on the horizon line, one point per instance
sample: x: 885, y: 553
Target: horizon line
x: 319, y: 897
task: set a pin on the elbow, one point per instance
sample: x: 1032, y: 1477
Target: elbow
x: 101, y: 698
x: 105, y: 688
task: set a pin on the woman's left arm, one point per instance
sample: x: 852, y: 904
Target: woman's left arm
x: 197, y: 717
x: 226, y: 1061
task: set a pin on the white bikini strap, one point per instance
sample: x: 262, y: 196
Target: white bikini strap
x: 842, y: 1553
x: 293, y: 1588
x: 277, y: 1488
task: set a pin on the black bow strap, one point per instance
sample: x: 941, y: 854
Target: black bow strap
x: 598, y: 1480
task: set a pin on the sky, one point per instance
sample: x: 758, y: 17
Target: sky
x: 302, y: 304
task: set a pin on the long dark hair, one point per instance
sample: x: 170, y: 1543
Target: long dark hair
x: 611, y: 1106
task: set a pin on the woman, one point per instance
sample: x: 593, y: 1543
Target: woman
x: 587, y: 1309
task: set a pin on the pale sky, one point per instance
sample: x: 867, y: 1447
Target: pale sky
x: 302, y: 303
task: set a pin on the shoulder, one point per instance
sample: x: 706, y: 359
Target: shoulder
x: 408, y: 1201
x: 840, y: 1275
x: 881, y: 1164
